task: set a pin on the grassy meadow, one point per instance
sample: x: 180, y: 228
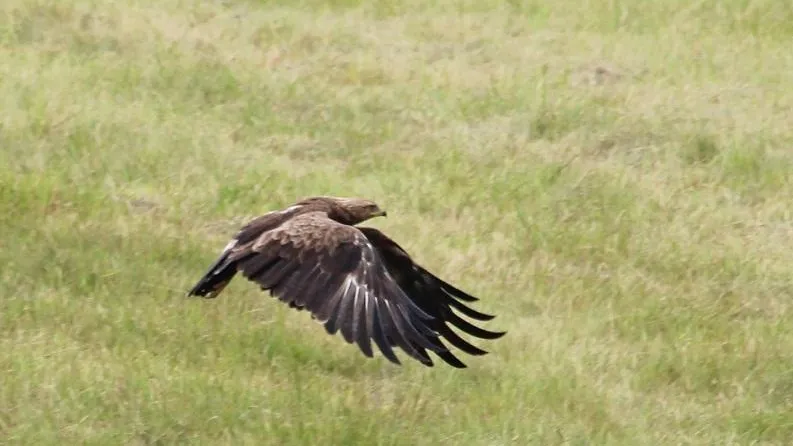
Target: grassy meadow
x: 614, y: 179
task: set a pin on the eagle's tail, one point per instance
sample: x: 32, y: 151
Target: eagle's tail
x: 217, y: 276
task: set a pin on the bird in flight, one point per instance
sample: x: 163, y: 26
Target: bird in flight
x: 354, y: 280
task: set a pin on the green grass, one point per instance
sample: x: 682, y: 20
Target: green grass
x: 612, y: 178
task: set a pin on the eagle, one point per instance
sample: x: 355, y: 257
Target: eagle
x: 352, y: 279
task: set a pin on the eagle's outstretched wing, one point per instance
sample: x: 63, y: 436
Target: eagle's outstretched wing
x: 332, y: 270
x: 434, y: 296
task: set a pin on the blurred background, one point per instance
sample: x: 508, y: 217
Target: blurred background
x: 611, y: 177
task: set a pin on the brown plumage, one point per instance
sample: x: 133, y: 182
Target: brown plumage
x: 354, y: 280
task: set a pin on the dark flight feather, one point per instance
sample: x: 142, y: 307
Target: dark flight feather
x: 354, y: 280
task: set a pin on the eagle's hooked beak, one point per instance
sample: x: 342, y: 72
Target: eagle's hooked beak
x: 381, y: 213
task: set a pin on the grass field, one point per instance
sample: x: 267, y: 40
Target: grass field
x: 614, y: 178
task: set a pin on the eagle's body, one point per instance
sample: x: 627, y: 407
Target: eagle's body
x: 354, y: 280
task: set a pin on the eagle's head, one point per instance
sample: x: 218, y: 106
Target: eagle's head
x: 349, y: 211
